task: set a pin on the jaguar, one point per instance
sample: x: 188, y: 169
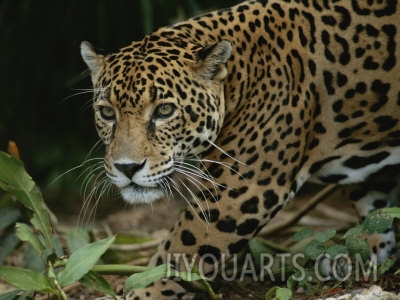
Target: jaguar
x: 234, y: 110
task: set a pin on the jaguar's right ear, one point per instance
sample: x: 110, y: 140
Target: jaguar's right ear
x: 211, y: 60
x: 92, y: 59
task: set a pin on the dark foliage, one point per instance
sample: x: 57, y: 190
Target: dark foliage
x: 41, y: 73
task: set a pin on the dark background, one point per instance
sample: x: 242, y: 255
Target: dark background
x: 43, y: 104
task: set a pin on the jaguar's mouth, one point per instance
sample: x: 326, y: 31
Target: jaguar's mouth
x: 134, y: 193
x: 134, y: 185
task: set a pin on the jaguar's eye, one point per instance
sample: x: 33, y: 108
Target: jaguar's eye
x: 107, y: 113
x: 165, y: 110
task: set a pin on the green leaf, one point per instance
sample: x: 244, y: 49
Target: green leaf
x: 8, y: 216
x: 25, y: 233
x: 358, y: 246
x: 77, y: 238
x: 13, y: 176
x: 387, y: 264
x: 14, y: 179
x: 377, y: 222
x: 41, y: 220
x: 283, y: 294
x: 143, y: 279
x: 354, y: 232
x: 83, y: 260
x: 13, y: 295
x: 32, y: 260
x: 57, y: 246
x: 325, y: 235
x: 271, y: 293
x: 291, y: 283
x: 257, y: 249
x: 278, y: 293
x: 8, y: 242
x: 302, y: 234
x: 27, y: 279
x: 393, y: 211
x: 314, y: 249
x: 301, y: 277
x: 188, y: 276
x: 97, y: 282
x: 336, y: 250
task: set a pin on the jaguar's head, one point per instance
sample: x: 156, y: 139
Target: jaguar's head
x: 157, y: 102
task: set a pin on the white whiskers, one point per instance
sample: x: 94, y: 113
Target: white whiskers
x: 196, y: 185
x: 226, y: 153
x: 94, y: 184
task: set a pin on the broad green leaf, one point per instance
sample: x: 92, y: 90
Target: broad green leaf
x: 13, y: 295
x: 325, y: 235
x: 14, y: 179
x: 302, y: 234
x: 8, y: 216
x: 8, y: 242
x: 13, y: 176
x: 25, y: 233
x: 291, y: 283
x: 27, y: 279
x: 336, y: 250
x: 377, y: 222
x: 57, y: 246
x: 257, y: 248
x: 188, y: 276
x: 393, y: 211
x: 354, y: 232
x: 387, y: 264
x: 278, y: 293
x: 283, y: 294
x: 270, y: 295
x: 314, y: 249
x: 300, y: 277
x: 143, y: 279
x: 81, y: 261
x: 358, y: 246
x: 97, y: 282
x: 77, y: 238
x: 41, y: 220
x: 32, y: 260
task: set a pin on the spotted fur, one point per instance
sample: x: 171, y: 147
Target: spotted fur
x: 234, y: 110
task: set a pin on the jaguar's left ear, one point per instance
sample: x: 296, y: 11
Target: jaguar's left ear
x: 212, y: 60
x: 92, y: 59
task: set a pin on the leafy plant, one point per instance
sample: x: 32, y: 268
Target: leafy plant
x: 58, y: 270
x: 353, y: 248
x: 278, y: 293
x: 35, y: 225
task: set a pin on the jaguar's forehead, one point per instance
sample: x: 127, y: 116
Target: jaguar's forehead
x: 151, y: 54
x: 152, y: 67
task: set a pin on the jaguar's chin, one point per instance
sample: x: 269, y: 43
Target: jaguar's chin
x: 134, y: 193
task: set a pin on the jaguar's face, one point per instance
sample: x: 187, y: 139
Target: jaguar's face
x: 156, y: 106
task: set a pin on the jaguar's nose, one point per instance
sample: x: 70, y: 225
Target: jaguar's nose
x: 129, y: 169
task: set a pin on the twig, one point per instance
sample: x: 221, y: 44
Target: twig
x: 269, y: 230
x: 137, y: 247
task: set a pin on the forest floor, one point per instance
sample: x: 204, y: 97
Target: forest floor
x: 151, y: 223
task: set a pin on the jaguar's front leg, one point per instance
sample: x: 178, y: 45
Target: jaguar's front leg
x: 212, y: 230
